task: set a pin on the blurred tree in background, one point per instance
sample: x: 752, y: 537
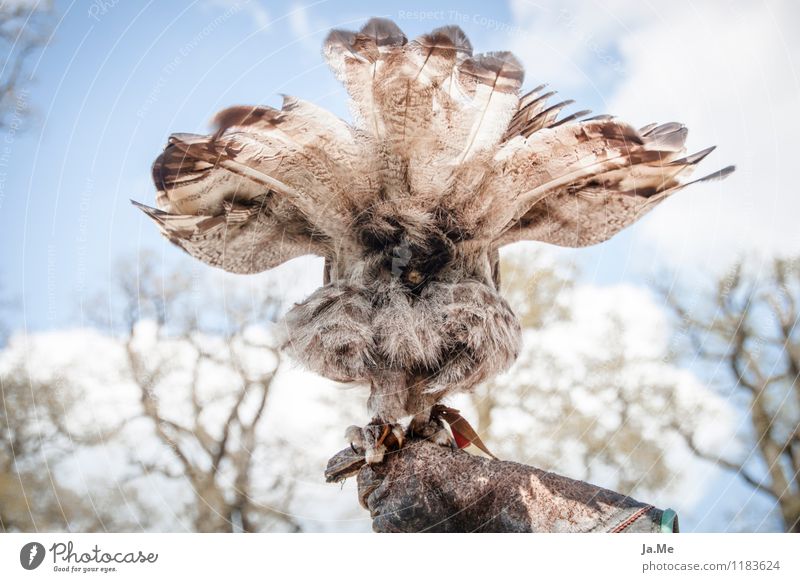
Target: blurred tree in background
x: 744, y: 327
x: 211, y: 432
x: 591, y: 395
x: 173, y: 416
x: 24, y: 28
x: 159, y: 422
x: 36, y: 440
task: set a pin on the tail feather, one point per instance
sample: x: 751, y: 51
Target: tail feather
x: 429, y: 103
x: 492, y: 82
x: 357, y: 58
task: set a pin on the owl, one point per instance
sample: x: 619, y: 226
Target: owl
x: 446, y: 161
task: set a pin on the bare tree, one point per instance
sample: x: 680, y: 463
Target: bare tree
x: 35, y: 440
x: 213, y: 441
x: 190, y: 389
x: 745, y: 328
x: 605, y: 414
x: 24, y: 28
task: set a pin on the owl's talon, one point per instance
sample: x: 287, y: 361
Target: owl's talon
x: 375, y: 439
x: 432, y: 429
x: 355, y: 436
x: 384, y: 433
x: 399, y: 435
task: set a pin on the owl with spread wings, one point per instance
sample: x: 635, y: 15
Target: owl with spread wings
x: 445, y: 162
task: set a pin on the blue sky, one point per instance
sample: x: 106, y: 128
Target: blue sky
x: 116, y: 81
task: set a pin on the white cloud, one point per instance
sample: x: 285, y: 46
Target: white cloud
x: 95, y: 365
x: 258, y: 13
x: 726, y: 70
x: 298, y: 20
x: 571, y: 44
x: 308, y: 30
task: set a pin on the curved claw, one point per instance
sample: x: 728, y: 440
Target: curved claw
x: 375, y: 439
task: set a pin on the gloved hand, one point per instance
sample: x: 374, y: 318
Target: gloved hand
x: 427, y: 487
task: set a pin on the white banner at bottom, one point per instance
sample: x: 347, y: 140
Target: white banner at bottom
x: 332, y: 557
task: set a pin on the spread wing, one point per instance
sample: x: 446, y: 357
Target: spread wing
x: 575, y: 183
x: 442, y: 142
x: 268, y: 186
x: 242, y: 238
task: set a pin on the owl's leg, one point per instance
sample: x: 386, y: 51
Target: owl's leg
x: 424, y: 424
x: 386, y: 404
